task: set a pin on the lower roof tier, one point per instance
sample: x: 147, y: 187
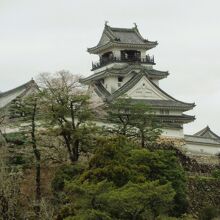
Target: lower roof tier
x: 123, y: 71
x: 157, y: 98
x: 180, y: 119
x: 162, y: 104
x: 164, y: 120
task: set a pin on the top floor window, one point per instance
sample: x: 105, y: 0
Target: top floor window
x: 107, y: 57
x: 132, y: 55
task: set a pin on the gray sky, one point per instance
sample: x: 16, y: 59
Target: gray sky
x: 50, y: 35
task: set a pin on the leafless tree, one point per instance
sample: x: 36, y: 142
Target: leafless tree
x: 66, y: 109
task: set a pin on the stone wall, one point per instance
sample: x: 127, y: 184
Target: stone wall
x: 203, y: 192
x: 205, y: 159
x: 197, y: 165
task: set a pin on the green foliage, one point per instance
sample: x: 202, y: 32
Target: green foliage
x: 90, y: 214
x: 135, y: 120
x: 17, y: 138
x: 109, y: 162
x: 64, y: 173
x: 132, y: 201
x: 16, y: 143
x: 67, y: 111
x: 18, y: 159
x: 117, y: 162
x: 138, y: 200
x: 216, y: 174
x: 209, y: 213
x: 123, y: 181
x: 183, y: 217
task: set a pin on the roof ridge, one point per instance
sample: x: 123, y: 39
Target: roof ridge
x: 122, y: 29
x: 119, y: 36
x: 204, y: 130
x: 109, y: 33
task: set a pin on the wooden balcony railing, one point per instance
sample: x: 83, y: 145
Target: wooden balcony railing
x: 104, y: 62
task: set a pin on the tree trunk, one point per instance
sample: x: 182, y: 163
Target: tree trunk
x: 69, y: 148
x: 38, y: 189
x: 37, y: 164
x: 76, y: 150
x: 142, y: 140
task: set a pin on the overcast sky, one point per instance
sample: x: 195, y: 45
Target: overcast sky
x: 50, y: 35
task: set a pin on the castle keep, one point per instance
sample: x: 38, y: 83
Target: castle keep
x: 125, y: 69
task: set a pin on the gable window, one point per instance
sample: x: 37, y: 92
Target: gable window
x: 120, y: 80
x: 102, y: 81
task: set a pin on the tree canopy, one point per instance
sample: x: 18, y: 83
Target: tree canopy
x: 123, y: 181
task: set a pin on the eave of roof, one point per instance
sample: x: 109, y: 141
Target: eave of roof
x: 8, y: 96
x: 162, y: 104
x: 156, y: 74
x: 100, y: 49
x: 25, y: 85
x: 176, y: 118
x: 164, y: 120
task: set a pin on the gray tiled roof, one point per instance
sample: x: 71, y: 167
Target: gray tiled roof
x: 207, y: 133
x: 120, y: 36
x: 8, y: 96
x: 176, y: 118
x: 169, y: 104
x: 101, y: 91
x: 128, y: 36
x: 152, y: 73
x: 162, y: 103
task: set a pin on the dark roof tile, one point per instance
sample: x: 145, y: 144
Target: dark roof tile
x: 120, y: 36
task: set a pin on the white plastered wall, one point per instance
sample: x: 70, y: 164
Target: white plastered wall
x: 198, y: 148
x: 173, y: 133
x: 145, y: 90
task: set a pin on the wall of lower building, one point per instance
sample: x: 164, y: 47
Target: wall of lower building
x: 199, y: 148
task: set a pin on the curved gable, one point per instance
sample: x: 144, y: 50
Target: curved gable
x: 144, y: 89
